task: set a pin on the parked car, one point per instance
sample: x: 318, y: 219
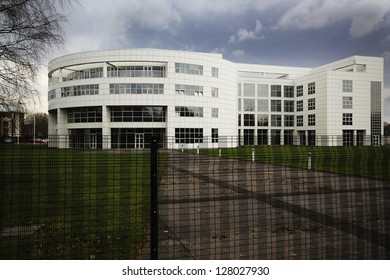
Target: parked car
x: 39, y: 140
x: 8, y: 140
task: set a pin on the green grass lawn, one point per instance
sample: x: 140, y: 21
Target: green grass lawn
x: 367, y: 161
x: 85, y: 204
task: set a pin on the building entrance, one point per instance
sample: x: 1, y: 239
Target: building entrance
x: 139, y: 141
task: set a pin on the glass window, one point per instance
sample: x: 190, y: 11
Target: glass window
x: 311, y: 104
x: 214, y: 112
x: 249, y: 136
x: 136, y: 71
x: 214, y: 135
x: 85, y: 115
x: 136, y: 88
x: 188, y: 111
x: 249, y: 120
x: 347, y: 102
x: 249, y: 105
x: 214, y: 92
x: 300, y: 90
x: 262, y: 90
x: 262, y: 137
x: 311, y: 120
x: 192, y: 69
x: 311, y: 88
x: 85, y: 74
x: 138, y: 114
x: 299, y: 105
x: 347, y: 137
x: 347, y: 118
x: 376, y: 115
x: 189, y: 135
x: 276, y: 91
x: 80, y: 90
x: 249, y: 90
x: 288, y: 105
x: 288, y: 137
x: 299, y: 120
x: 262, y: 105
x: 214, y: 72
x: 275, y: 136
x: 347, y: 85
x: 276, y: 120
x: 262, y: 120
x: 189, y: 90
x: 276, y: 105
x: 288, y: 91
x: 289, y: 120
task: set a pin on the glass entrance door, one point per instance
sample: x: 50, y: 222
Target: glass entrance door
x: 139, y: 140
x: 92, y: 141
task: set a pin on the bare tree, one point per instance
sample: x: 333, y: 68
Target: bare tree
x: 28, y: 30
x: 40, y: 121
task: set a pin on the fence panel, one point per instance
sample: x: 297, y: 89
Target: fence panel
x: 266, y: 203
x: 72, y: 203
x: 252, y: 202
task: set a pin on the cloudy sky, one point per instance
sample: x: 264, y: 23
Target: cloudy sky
x: 277, y: 32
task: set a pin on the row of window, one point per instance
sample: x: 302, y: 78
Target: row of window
x: 249, y: 90
x: 187, y: 111
x: 288, y: 120
x: 136, y: 71
x: 262, y: 105
x: 262, y: 138
x: 136, y: 88
x: 349, y: 138
x: 194, y: 135
x: 376, y: 105
x: 138, y: 114
x: 131, y: 88
x: 190, y: 111
x: 133, y: 113
x: 80, y: 90
x: 194, y: 69
x: 154, y: 71
x: 85, y: 115
x: 263, y: 120
x: 85, y: 74
x: 311, y: 89
x: 288, y: 105
x: 190, y: 90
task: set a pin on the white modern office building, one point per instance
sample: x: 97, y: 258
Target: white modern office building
x: 119, y: 98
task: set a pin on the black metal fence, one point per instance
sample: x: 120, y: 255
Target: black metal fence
x: 253, y: 202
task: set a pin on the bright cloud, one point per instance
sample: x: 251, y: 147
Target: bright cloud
x: 238, y: 53
x: 244, y: 34
x: 365, y: 15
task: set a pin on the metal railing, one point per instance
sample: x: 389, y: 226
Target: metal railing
x: 251, y: 202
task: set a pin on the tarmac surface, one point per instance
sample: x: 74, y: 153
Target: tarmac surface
x: 219, y: 208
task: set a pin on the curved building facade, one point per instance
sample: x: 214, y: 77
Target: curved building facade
x: 119, y: 98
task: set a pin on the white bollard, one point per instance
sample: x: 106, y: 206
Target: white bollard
x: 309, y: 161
x: 220, y: 152
x: 253, y: 155
x: 197, y: 150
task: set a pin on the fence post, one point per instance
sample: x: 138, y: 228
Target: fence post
x: 153, y: 198
x: 309, y: 161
